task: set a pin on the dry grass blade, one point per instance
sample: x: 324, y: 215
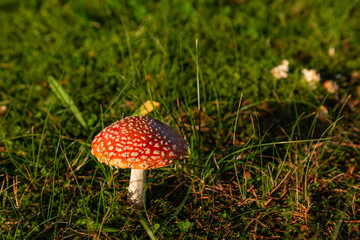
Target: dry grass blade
x: 146, y: 108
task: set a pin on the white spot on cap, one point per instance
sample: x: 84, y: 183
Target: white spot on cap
x: 136, y: 139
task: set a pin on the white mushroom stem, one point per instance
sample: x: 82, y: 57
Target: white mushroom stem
x: 136, y: 187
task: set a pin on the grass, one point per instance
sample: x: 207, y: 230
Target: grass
x: 265, y: 159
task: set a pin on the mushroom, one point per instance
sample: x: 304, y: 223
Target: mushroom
x: 139, y: 143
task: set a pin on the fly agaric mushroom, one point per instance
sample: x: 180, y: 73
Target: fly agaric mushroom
x: 139, y: 143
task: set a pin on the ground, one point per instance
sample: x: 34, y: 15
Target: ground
x: 269, y: 156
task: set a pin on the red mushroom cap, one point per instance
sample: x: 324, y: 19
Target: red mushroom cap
x: 138, y: 142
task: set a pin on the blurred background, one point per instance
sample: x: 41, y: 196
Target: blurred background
x: 70, y: 68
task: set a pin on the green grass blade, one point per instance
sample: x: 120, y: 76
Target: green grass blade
x: 181, y: 205
x: 66, y: 100
x: 145, y: 226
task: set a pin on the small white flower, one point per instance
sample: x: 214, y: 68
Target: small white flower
x: 311, y: 77
x: 331, y: 51
x: 331, y: 86
x: 281, y: 71
x: 3, y: 109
